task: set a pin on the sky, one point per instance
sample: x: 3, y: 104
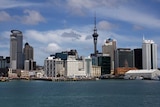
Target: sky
x: 51, y: 26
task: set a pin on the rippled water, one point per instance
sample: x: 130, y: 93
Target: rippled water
x: 102, y: 93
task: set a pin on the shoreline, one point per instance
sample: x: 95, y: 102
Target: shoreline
x: 6, y: 79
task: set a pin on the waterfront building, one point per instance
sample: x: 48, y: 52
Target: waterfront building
x: 40, y: 74
x: 143, y: 74
x: 24, y: 74
x: 12, y: 74
x: 88, y: 66
x: 16, y: 54
x: 29, y: 65
x: 109, y: 48
x: 138, y: 58
x: 53, y: 67
x: 96, y: 71
x: 74, y: 68
x: 124, y: 57
x: 120, y: 71
x: 149, y: 53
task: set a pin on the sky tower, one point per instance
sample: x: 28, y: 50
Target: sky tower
x: 95, y: 36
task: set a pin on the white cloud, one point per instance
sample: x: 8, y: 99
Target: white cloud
x: 4, y: 16
x: 136, y: 27
x: 105, y: 25
x: 131, y: 16
x: 32, y: 17
x: 80, y: 7
x: 53, y: 48
x: 5, y: 4
x: 120, y: 10
x: 57, y: 36
x: 35, y: 35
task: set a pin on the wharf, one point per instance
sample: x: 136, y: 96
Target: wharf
x: 56, y: 79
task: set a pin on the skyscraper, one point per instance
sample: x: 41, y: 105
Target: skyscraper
x: 149, y: 53
x: 95, y: 36
x: 16, y: 44
x: 109, y: 48
x: 28, y: 52
x: 29, y: 63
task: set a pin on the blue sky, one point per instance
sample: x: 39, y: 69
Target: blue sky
x: 51, y: 26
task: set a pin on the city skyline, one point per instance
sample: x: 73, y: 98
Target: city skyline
x: 55, y: 26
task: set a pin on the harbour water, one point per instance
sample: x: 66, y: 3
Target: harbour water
x: 102, y: 93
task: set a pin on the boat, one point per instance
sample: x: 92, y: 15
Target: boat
x: 139, y: 78
x: 97, y: 79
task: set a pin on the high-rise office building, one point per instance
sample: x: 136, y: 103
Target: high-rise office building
x: 28, y: 52
x: 109, y: 48
x: 124, y: 57
x: 16, y: 54
x: 138, y: 58
x: 149, y: 53
x: 29, y: 63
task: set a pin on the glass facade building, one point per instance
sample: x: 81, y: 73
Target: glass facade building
x: 105, y: 63
x: 138, y: 58
x: 124, y: 57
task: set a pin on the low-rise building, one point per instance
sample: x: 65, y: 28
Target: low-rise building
x: 24, y: 74
x: 12, y: 74
x: 96, y: 71
x: 74, y: 68
x: 122, y: 70
x: 144, y: 74
x: 53, y: 67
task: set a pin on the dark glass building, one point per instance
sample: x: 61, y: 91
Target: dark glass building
x: 61, y: 55
x: 138, y: 58
x: 105, y: 63
x: 124, y: 57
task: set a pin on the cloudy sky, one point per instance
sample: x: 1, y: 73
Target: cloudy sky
x: 51, y: 26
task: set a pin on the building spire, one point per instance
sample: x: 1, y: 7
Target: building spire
x: 143, y: 37
x: 95, y: 29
